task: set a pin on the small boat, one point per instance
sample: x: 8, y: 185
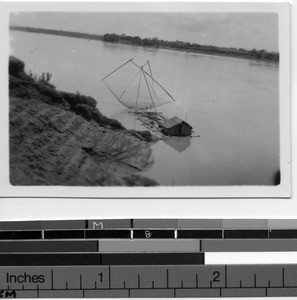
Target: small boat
x: 135, y: 87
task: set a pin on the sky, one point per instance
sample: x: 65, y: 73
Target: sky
x: 239, y: 30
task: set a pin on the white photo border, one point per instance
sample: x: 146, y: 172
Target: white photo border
x: 174, y: 193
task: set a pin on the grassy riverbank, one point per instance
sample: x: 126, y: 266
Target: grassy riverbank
x: 60, y: 138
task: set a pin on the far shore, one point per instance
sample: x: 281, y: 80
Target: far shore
x: 260, y: 55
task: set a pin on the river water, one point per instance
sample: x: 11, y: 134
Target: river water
x: 232, y: 105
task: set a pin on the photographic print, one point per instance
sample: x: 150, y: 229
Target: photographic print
x: 144, y: 98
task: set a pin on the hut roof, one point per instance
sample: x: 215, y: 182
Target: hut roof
x: 173, y: 122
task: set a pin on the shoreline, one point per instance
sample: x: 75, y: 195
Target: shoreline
x: 254, y: 54
x: 61, y: 138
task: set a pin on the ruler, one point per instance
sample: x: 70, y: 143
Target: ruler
x: 145, y: 258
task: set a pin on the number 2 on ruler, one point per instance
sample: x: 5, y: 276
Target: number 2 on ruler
x: 216, y: 275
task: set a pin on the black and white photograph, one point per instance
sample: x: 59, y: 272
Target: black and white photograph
x: 145, y: 98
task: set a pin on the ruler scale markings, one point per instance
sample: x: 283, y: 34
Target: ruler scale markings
x: 109, y: 277
x: 265, y: 282
x: 225, y: 269
x: 167, y: 277
x: 52, y: 279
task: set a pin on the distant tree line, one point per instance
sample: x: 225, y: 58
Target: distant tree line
x: 58, y: 32
x: 191, y: 47
x: 159, y: 43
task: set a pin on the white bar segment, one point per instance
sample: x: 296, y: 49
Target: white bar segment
x: 250, y: 258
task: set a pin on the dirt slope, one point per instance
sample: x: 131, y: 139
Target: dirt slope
x: 51, y: 144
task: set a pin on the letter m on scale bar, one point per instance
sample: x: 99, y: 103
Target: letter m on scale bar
x: 98, y: 225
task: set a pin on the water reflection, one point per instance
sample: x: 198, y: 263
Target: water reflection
x: 179, y: 144
x: 244, y: 115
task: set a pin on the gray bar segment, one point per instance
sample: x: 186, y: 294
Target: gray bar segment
x: 65, y: 224
x: 281, y: 292
x: 151, y: 293
x: 149, y: 245
x: 244, y: 245
x: 26, y: 294
x: 199, y: 224
x: 197, y: 292
x: 244, y: 292
x: 109, y: 224
x: 48, y: 246
x: 20, y: 225
x: 155, y: 223
x: 282, y: 224
x: 61, y: 294
x: 245, y: 223
x: 107, y: 294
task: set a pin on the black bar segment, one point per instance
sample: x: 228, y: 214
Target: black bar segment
x: 152, y: 258
x: 48, y: 246
x: 199, y: 234
x: 153, y: 234
x: 246, y: 234
x: 54, y: 259
x: 64, y: 234
x: 283, y: 234
x: 108, y: 234
x: 20, y: 235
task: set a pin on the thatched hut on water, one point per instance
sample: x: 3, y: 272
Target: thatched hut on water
x: 176, y: 127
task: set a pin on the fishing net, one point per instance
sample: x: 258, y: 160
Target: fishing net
x: 135, y: 87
